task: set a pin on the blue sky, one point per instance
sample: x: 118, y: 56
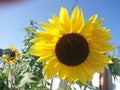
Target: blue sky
x: 16, y: 16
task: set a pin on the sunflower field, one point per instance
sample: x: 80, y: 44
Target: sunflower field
x: 64, y: 55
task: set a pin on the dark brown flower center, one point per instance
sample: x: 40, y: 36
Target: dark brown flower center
x: 72, y: 49
x: 12, y: 54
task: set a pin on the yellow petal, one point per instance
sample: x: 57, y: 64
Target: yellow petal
x: 46, y: 58
x: 88, y: 73
x: 77, y: 19
x: 98, y: 23
x: 82, y: 77
x: 101, y: 47
x: 50, y: 69
x: 65, y: 20
x: 88, y: 26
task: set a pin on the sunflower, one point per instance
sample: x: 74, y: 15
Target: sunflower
x: 72, y: 49
x: 11, y: 55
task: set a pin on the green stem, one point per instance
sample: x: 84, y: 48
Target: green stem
x: 51, y: 85
x: 65, y: 85
x: 85, y: 87
x: 10, y: 79
x: 7, y: 82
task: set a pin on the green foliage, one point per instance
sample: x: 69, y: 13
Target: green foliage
x: 2, y: 79
x: 79, y: 83
x: 29, y: 35
x: 26, y: 73
x: 115, y: 67
x: 33, y: 76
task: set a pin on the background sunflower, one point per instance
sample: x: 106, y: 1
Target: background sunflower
x: 11, y: 55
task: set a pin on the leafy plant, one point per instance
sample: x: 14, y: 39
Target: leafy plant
x: 115, y: 67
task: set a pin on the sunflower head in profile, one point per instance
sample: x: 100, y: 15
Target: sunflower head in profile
x: 11, y: 55
x: 71, y: 48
